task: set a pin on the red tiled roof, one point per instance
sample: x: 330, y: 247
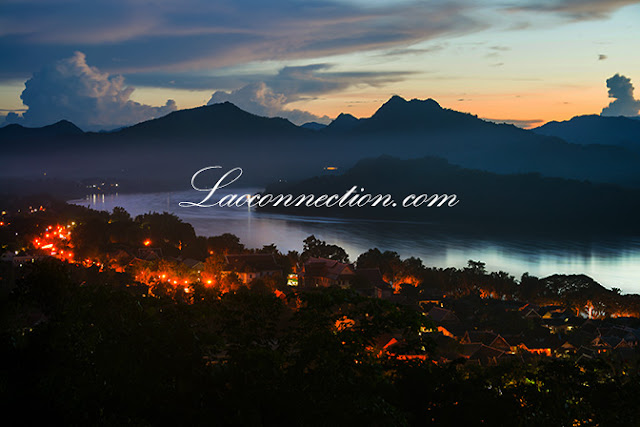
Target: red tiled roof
x: 322, y: 267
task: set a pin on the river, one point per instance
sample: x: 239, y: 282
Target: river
x: 612, y: 261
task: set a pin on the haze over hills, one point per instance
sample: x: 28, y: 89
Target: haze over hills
x: 415, y: 128
x: 485, y: 200
x: 620, y: 131
x: 209, y: 121
x: 171, y: 148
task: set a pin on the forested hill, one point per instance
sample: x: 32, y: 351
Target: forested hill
x: 526, y: 201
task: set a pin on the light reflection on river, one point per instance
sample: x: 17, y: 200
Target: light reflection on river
x: 614, y: 262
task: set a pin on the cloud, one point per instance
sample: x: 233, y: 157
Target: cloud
x: 127, y: 36
x: 130, y: 36
x: 259, y: 99
x: 621, y: 89
x: 578, y: 10
x: 316, y: 79
x: 71, y: 89
x: 305, y: 79
x: 413, y: 50
x: 269, y: 97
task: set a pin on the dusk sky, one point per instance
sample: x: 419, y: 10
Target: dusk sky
x: 526, y: 62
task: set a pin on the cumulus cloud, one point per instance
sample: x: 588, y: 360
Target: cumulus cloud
x: 259, y: 99
x: 71, y: 89
x: 624, y: 104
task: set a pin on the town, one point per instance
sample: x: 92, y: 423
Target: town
x: 386, y: 313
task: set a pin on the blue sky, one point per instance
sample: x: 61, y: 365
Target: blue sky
x: 521, y: 61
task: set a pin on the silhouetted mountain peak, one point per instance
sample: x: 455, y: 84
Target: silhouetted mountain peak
x: 313, y: 126
x: 343, y: 122
x: 345, y: 117
x: 16, y: 132
x: 398, y: 105
x: 12, y: 127
x: 64, y: 127
x: 398, y: 108
x: 208, y: 121
x: 394, y: 100
x: 400, y: 115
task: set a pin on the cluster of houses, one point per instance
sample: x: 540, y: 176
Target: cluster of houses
x: 19, y: 259
x: 566, y: 336
x: 313, y: 273
x: 322, y: 272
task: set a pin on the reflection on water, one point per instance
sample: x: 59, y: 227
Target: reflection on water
x: 610, y: 261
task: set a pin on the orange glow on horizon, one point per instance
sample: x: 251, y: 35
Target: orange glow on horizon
x: 530, y: 108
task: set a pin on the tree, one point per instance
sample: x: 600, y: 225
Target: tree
x: 268, y: 249
x: 119, y: 214
x: 316, y: 248
x: 476, y: 267
x: 166, y: 231
x: 389, y: 263
x: 213, y: 267
x: 226, y: 243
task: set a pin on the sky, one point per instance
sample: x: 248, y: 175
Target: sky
x: 106, y: 64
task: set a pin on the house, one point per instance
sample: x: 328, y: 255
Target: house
x: 137, y: 263
x: 560, y: 324
x: 150, y: 254
x: 193, y: 264
x: 372, y: 284
x: 21, y: 260
x: 322, y: 272
x: 393, y: 345
x: 530, y: 313
x: 442, y: 315
x: 551, y: 311
x: 249, y: 267
x: 382, y: 343
x: 487, y: 338
x: 625, y: 333
x: 486, y: 356
x: 565, y: 350
x: 430, y: 297
x: 603, y: 344
x: 7, y: 256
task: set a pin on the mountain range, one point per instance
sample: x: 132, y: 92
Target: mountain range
x: 618, y: 131
x: 173, y: 147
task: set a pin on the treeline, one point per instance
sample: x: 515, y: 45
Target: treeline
x: 100, y: 235
x: 417, y: 282
x: 96, y: 234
